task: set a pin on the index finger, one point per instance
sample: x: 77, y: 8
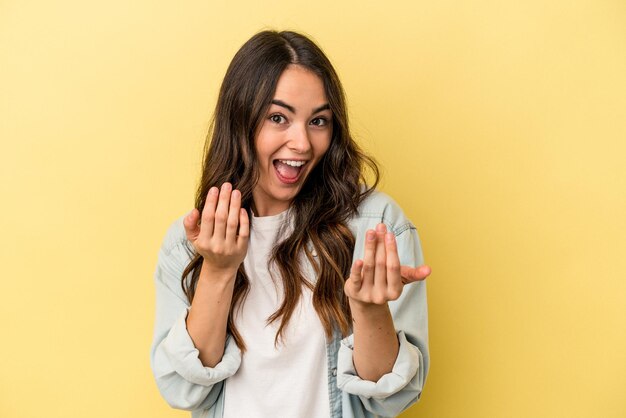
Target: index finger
x: 208, y: 212
x: 394, y: 279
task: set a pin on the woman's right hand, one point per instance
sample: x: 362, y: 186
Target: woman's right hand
x: 216, y: 237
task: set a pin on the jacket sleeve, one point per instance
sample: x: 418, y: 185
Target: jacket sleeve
x: 180, y: 376
x: 399, y: 389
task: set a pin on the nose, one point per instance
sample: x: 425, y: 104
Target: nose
x: 299, y: 141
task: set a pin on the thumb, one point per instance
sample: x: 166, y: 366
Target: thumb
x: 414, y: 274
x: 190, y: 222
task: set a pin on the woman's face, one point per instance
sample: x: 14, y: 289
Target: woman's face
x: 291, y: 140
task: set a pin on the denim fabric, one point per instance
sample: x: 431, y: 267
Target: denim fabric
x: 186, y: 384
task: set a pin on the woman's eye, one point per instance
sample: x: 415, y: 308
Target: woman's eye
x: 319, y: 122
x: 277, y: 118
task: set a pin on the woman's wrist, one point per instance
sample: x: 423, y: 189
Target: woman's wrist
x: 368, y: 311
x: 213, y: 275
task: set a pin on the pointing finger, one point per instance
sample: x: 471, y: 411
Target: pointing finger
x: 208, y: 212
x: 394, y: 279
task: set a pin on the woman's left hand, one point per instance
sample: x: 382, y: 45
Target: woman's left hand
x: 379, y: 278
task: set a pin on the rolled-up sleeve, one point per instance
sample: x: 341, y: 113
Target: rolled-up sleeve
x: 394, y: 391
x: 182, y: 379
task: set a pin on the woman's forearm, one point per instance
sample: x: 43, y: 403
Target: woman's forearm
x: 208, y: 317
x: 375, y: 341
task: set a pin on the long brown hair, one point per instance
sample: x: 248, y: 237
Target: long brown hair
x: 328, y: 199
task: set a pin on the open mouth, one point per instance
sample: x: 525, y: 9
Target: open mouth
x: 288, y: 171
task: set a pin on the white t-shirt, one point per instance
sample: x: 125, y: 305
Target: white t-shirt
x: 289, y: 379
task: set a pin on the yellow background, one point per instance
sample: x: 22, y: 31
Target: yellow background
x: 501, y: 126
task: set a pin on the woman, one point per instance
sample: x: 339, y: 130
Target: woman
x: 287, y: 252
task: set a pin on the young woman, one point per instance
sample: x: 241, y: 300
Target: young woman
x: 292, y: 289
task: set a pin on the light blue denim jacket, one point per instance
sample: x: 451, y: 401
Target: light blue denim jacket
x: 186, y: 384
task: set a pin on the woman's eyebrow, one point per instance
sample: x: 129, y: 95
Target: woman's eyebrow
x: 293, y: 109
x: 285, y: 105
x: 322, y: 107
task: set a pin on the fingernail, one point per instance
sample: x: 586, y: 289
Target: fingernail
x: 381, y: 228
x: 371, y: 235
x: 236, y: 193
x: 213, y: 190
x: 389, y: 237
x: 226, y: 186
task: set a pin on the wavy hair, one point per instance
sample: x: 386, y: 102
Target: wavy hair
x: 329, y: 197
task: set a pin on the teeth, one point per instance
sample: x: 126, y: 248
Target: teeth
x: 293, y: 163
